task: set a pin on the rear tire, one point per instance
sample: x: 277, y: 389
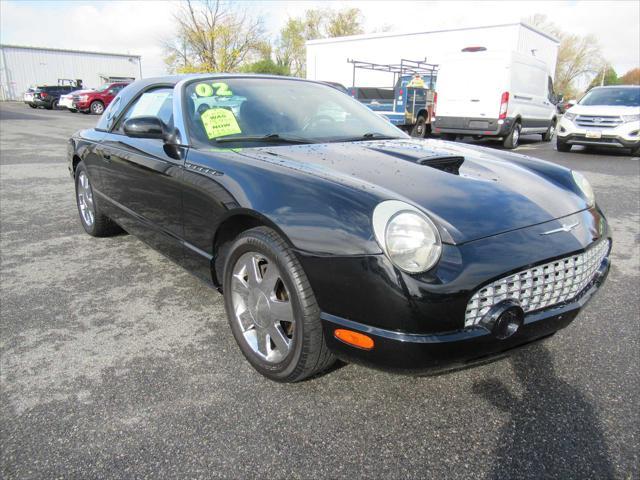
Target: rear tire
x: 264, y: 283
x: 419, y: 130
x: 562, y: 146
x: 33, y: 106
x: 92, y: 218
x: 513, y: 139
x: 635, y: 152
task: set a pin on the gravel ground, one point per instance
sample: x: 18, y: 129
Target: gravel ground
x: 116, y: 363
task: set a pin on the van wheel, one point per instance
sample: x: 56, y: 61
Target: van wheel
x: 419, y: 130
x: 551, y: 131
x: 635, y: 152
x: 512, y: 140
x: 562, y: 146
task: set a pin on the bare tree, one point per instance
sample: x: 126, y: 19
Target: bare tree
x: 578, y: 57
x: 213, y: 37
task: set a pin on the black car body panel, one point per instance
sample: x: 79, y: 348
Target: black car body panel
x: 492, y: 211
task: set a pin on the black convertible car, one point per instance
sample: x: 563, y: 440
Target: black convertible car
x: 333, y: 234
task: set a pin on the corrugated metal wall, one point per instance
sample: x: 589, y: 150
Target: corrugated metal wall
x: 22, y: 67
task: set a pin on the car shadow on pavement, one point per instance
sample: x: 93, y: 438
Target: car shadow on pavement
x: 545, y: 436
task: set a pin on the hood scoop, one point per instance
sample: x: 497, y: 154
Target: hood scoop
x: 439, y: 159
x: 446, y: 163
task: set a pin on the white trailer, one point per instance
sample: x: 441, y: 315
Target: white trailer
x: 327, y: 58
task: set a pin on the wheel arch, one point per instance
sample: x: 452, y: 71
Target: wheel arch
x: 234, y: 223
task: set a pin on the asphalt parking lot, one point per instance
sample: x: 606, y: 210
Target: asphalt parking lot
x: 117, y: 363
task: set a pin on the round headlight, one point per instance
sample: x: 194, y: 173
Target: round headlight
x: 585, y: 187
x: 407, y: 236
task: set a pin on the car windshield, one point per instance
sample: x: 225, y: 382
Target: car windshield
x: 248, y: 110
x: 617, y: 97
x: 103, y: 87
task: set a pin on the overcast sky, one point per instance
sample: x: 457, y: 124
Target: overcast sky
x: 138, y: 27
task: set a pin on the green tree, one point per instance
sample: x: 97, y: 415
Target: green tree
x: 606, y: 76
x: 345, y: 22
x: 213, y: 37
x: 316, y: 23
x: 267, y: 66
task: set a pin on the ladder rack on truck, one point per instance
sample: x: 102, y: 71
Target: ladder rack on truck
x: 408, y: 106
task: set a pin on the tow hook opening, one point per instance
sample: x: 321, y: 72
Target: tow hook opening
x: 504, y: 319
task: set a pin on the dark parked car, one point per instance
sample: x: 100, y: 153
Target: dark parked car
x: 48, y: 96
x: 337, y: 235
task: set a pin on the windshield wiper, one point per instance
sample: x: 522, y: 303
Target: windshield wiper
x: 272, y: 137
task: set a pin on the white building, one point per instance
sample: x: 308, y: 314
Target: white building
x: 327, y: 58
x: 22, y: 67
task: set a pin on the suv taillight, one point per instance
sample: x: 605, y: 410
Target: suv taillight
x: 504, y: 104
x: 43, y: 94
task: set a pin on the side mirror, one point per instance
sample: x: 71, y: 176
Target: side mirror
x: 145, y: 127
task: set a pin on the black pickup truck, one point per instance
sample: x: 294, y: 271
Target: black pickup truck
x: 47, y: 96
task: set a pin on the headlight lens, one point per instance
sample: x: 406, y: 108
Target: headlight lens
x: 631, y: 118
x: 83, y: 98
x: 407, y: 236
x: 569, y: 116
x: 585, y: 187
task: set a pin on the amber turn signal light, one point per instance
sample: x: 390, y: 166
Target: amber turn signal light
x: 354, y: 339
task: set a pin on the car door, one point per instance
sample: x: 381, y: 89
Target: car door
x: 141, y: 180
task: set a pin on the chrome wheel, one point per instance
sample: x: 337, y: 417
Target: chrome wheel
x: 85, y: 199
x: 262, y: 307
x: 516, y: 136
x: 97, y: 108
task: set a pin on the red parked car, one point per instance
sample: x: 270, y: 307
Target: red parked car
x: 97, y: 100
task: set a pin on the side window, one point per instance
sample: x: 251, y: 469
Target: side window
x: 550, y: 93
x: 154, y: 103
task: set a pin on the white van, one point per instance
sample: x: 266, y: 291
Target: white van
x: 495, y: 94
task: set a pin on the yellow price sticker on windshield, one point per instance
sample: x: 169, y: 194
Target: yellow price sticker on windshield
x: 219, y: 122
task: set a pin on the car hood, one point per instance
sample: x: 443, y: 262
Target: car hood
x: 604, y: 110
x: 485, y: 195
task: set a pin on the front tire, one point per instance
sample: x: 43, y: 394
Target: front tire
x: 513, y: 139
x: 271, y: 308
x: 92, y: 218
x: 33, y: 106
x: 97, y: 107
x: 562, y: 146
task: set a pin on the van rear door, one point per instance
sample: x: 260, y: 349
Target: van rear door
x: 472, y: 87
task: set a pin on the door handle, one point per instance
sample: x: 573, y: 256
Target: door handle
x: 107, y: 157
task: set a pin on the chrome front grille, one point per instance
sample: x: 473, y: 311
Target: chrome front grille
x: 542, y: 286
x: 598, y: 121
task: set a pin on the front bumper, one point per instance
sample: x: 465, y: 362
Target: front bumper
x: 487, y: 127
x: 82, y: 105
x: 417, y: 322
x: 429, y: 354
x: 626, y: 135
